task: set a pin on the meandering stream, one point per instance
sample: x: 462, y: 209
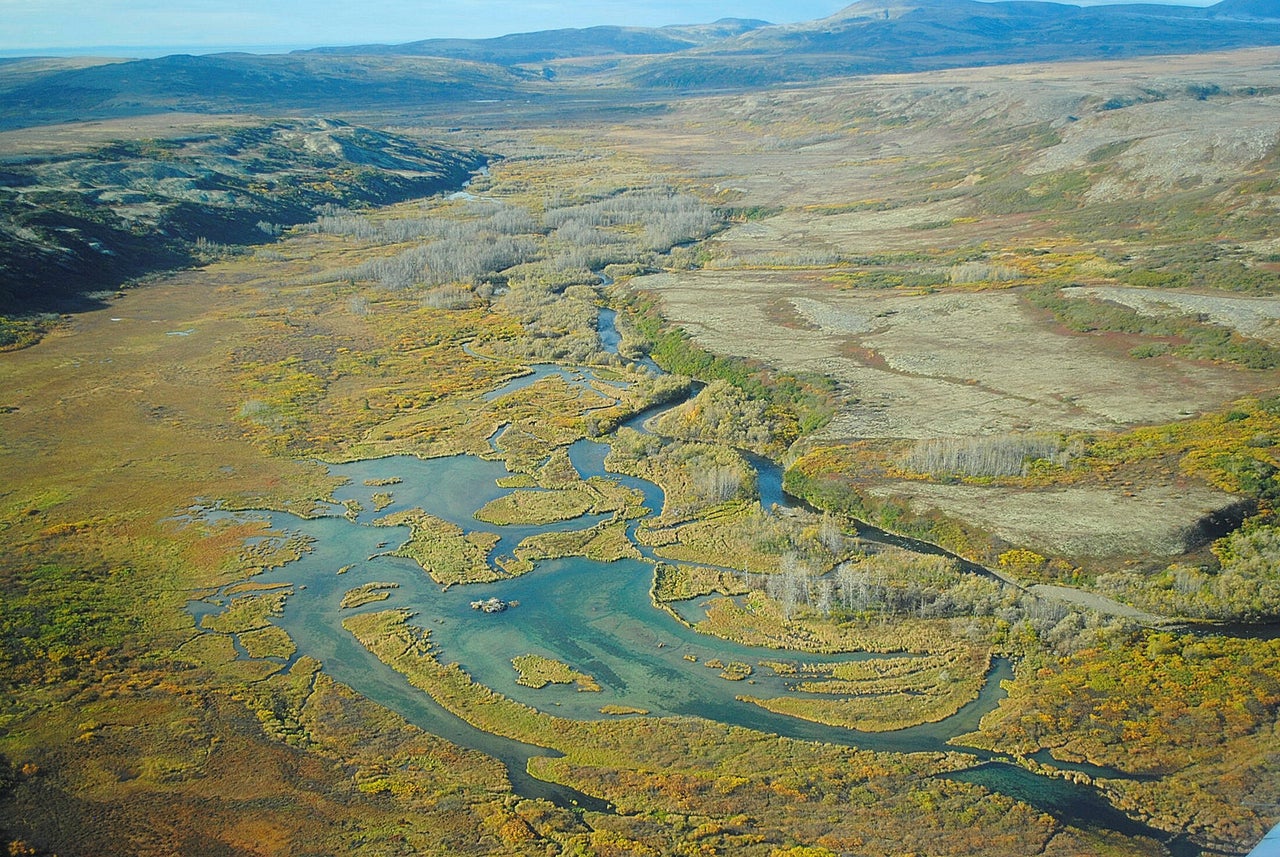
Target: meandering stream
x: 597, y: 617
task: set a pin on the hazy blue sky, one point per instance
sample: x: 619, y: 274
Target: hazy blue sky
x: 165, y: 25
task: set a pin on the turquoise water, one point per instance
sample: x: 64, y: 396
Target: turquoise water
x: 1068, y: 802
x: 596, y: 617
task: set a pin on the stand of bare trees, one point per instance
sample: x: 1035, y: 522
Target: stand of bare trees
x: 997, y: 455
x: 478, y: 249
x: 891, y: 585
x: 665, y: 218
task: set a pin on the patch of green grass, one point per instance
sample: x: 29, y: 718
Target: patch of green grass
x: 538, y: 672
x: 1191, y: 337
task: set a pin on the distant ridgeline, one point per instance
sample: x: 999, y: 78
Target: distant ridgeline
x: 72, y: 225
x: 895, y: 36
x: 868, y: 37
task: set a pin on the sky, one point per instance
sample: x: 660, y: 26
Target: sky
x: 155, y: 27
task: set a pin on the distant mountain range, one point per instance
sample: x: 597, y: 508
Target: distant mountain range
x: 222, y: 83
x: 872, y: 36
x: 528, y: 48
x: 886, y: 36
x: 98, y: 218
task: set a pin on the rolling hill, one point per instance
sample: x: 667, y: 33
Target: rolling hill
x: 872, y: 36
x: 101, y: 217
x: 527, y: 48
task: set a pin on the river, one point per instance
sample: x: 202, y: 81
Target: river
x: 597, y: 617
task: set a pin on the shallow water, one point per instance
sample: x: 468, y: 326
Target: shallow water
x: 596, y: 617
x: 1067, y: 802
x: 610, y: 339
x: 545, y: 370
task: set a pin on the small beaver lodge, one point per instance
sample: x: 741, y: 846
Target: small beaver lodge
x: 493, y: 605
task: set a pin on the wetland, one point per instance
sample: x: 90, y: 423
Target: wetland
x: 719, y: 400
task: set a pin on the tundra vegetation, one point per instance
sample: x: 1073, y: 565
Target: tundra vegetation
x: 366, y: 594
x: 881, y: 695
x: 537, y: 671
x: 890, y: 321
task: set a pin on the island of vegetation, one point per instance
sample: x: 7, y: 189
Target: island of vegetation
x: 863, y: 450
x: 537, y: 671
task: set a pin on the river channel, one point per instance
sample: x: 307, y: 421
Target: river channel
x: 596, y: 617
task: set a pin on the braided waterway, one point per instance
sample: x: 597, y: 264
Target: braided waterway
x: 597, y: 617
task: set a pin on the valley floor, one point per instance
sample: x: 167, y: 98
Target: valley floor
x: 887, y: 286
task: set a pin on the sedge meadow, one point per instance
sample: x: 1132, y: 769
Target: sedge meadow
x: 596, y: 454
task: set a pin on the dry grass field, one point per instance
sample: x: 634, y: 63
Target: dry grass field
x: 926, y: 241
x: 904, y: 217
x: 952, y: 362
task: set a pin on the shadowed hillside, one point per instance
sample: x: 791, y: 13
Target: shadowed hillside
x: 101, y: 217
x: 522, y: 48
x: 226, y: 82
x: 873, y: 36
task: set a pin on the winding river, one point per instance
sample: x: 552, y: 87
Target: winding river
x: 597, y: 617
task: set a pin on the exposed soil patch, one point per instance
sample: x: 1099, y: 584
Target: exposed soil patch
x: 1258, y: 317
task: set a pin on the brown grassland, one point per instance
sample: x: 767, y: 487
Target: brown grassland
x: 904, y: 236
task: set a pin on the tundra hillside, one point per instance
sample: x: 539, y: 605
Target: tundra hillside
x: 1008, y: 333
